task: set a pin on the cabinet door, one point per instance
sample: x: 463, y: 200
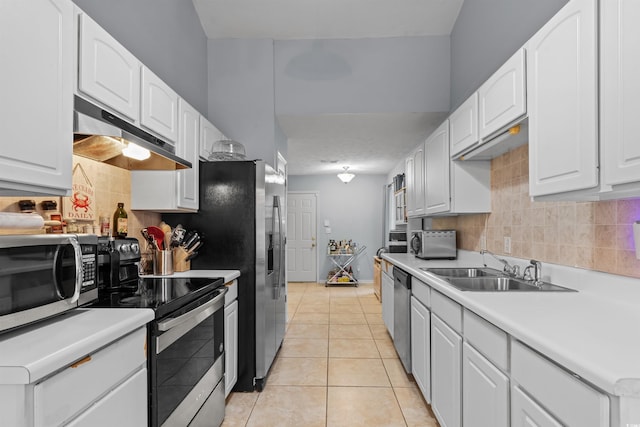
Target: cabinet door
x: 501, y: 99
x: 464, y: 125
x: 415, y: 184
x: 108, y: 72
x: 188, y: 148
x: 230, y: 346
x: 620, y: 90
x: 208, y: 135
x: 125, y: 406
x: 527, y: 413
x: 411, y: 197
x: 446, y: 354
x: 485, y: 398
x: 36, y: 87
x: 421, y: 347
x: 562, y: 101
x: 387, y: 302
x: 159, y: 112
x: 437, y: 170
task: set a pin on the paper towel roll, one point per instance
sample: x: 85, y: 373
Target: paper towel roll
x: 20, y: 220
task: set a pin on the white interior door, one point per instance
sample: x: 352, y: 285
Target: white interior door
x: 301, y: 237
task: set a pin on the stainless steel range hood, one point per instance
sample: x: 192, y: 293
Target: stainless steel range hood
x: 102, y: 136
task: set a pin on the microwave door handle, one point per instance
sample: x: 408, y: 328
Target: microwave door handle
x: 77, y: 250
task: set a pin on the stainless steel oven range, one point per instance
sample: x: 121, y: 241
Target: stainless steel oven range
x: 186, y: 347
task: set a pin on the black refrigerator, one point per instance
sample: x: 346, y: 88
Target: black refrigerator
x: 242, y: 220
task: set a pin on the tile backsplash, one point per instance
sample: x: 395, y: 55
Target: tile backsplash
x: 111, y: 185
x: 590, y: 235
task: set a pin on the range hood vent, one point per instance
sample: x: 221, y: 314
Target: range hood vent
x: 498, y: 144
x: 102, y: 136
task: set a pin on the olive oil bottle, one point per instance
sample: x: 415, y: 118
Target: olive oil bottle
x: 120, y: 224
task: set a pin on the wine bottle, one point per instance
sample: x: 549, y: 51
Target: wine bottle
x: 120, y: 224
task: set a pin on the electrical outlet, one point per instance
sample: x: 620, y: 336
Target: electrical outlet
x: 507, y: 245
x: 483, y: 242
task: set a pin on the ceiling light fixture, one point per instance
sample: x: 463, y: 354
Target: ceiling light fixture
x: 346, y: 176
x: 136, y: 152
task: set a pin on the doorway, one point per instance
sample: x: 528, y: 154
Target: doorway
x: 302, y: 248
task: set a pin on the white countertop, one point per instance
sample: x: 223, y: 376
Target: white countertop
x: 33, y: 352
x: 227, y: 275
x: 595, y: 332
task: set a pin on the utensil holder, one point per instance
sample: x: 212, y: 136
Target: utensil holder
x: 162, y: 263
x: 180, y: 262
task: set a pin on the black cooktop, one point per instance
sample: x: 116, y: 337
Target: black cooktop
x: 163, y: 295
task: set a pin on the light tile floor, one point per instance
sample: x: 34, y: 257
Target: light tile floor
x: 337, y: 367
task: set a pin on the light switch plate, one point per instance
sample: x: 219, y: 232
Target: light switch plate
x: 636, y: 237
x: 507, y: 245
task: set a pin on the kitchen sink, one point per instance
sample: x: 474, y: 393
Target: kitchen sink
x: 464, y: 272
x: 490, y: 280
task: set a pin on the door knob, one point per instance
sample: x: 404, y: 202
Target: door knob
x: 313, y: 245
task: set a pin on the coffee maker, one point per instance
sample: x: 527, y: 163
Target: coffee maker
x: 118, y: 260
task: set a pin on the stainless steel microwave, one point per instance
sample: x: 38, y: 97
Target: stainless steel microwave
x: 434, y: 244
x: 45, y: 275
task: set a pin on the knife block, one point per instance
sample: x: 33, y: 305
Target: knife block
x: 180, y: 262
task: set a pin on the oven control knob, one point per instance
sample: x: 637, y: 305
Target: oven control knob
x: 125, y: 248
x: 135, y: 248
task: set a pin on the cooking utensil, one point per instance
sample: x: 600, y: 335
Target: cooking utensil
x: 150, y: 239
x: 177, y: 235
x: 192, y: 241
x: 194, y: 247
x: 158, y: 236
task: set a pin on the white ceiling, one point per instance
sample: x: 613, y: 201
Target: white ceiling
x: 368, y: 143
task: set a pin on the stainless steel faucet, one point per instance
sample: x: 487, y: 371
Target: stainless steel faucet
x: 536, y: 277
x: 511, y: 270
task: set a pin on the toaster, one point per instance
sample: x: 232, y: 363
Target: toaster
x: 434, y: 244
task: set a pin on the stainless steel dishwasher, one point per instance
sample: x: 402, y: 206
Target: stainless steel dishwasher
x: 402, y: 316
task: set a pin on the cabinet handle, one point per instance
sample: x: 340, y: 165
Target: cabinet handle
x: 81, y: 362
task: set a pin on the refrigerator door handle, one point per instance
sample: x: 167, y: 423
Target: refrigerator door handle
x: 276, y: 208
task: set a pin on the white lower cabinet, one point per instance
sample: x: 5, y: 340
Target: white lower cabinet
x: 230, y: 346
x: 387, y: 301
x: 527, y: 413
x: 485, y: 391
x: 569, y: 400
x: 126, y: 405
x: 446, y: 354
x: 100, y: 382
x: 421, y: 347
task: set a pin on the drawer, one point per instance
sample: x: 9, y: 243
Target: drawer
x: 447, y: 310
x: 567, y: 398
x: 63, y: 395
x: 232, y: 292
x: 488, y: 339
x: 421, y: 291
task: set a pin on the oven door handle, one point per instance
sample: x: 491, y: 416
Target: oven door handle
x: 196, y: 315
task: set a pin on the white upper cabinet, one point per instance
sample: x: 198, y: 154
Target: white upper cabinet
x: 208, y: 135
x: 159, y: 112
x: 170, y: 191
x: 620, y: 95
x: 107, y: 72
x: 562, y: 101
x: 464, y: 125
x: 188, y: 149
x: 414, y: 171
x: 453, y: 187
x: 502, y: 100
x: 437, y: 168
x: 36, y: 83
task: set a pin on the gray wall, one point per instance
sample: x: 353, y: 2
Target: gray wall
x: 487, y: 33
x: 166, y: 35
x: 241, y: 98
x: 400, y: 74
x: 354, y: 210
